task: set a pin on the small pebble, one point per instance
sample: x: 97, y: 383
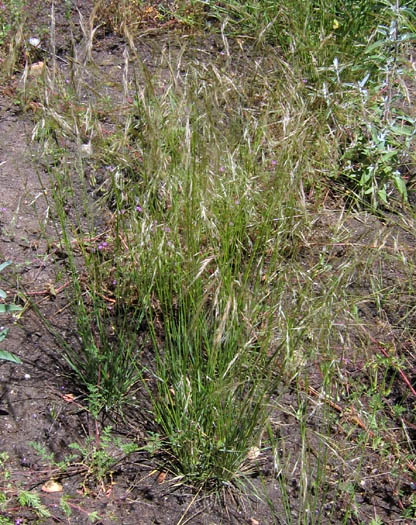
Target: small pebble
x: 35, y: 42
x: 86, y: 150
x: 27, y: 376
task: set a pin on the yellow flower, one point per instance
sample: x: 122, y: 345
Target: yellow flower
x: 335, y: 24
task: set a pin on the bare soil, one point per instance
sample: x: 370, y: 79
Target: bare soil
x: 39, y: 403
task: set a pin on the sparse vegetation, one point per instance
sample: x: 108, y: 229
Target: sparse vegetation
x: 216, y: 212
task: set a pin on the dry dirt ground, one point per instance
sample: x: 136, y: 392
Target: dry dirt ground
x: 38, y: 403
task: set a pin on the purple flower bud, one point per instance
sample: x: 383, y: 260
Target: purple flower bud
x: 138, y: 208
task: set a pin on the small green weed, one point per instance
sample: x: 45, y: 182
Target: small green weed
x: 93, y: 461
x: 12, y: 495
x: 97, y: 461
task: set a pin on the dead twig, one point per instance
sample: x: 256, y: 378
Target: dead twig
x: 50, y: 290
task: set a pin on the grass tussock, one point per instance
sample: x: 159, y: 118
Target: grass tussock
x: 218, y: 255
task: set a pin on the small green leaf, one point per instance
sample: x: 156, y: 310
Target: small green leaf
x: 403, y: 130
x: 375, y: 45
x: 5, y: 265
x: 65, y: 507
x: 93, y: 516
x: 400, y: 185
x: 3, y: 294
x: 28, y: 499
x: 3, y: 334
x: 365, y: 177
x: 7, y: 356
x: 7, y: 308
x: 388, y: 155
x: 383, y: 195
